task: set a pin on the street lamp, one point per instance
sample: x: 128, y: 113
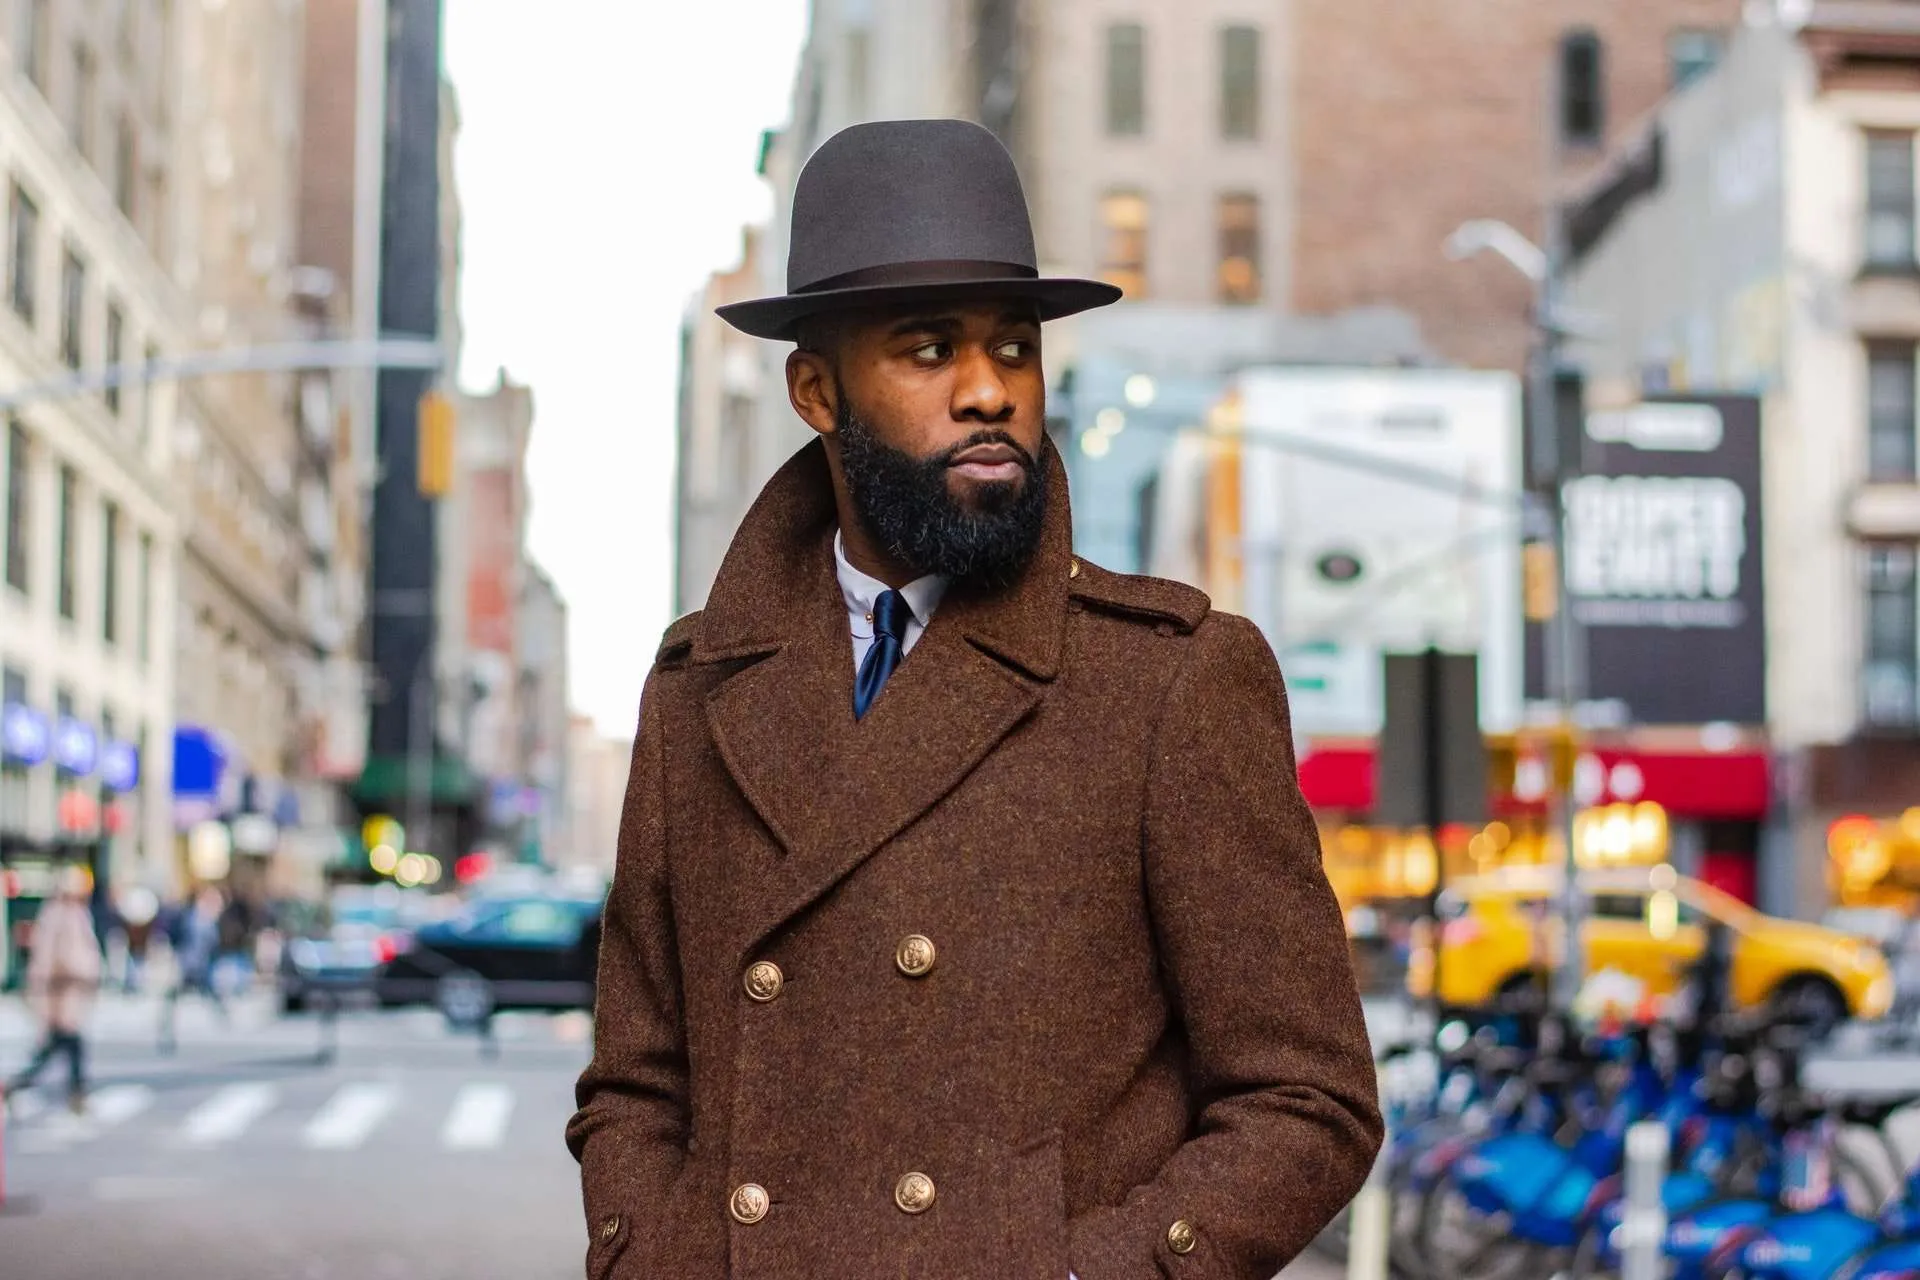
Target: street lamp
x: 1555, y: 461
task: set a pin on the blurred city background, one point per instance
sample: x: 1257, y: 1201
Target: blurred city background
x: 1542, y: 376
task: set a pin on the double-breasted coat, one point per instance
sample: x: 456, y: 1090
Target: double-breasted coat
x: 1032, y: 969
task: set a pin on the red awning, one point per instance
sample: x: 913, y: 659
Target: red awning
x: 1700, y: 784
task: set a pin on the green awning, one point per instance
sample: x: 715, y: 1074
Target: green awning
x: 390, y: 780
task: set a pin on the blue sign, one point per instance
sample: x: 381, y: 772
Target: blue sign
x: 25, y: 736
x: 199, y: 762
x: 120, y: 766
x: 76, y: 747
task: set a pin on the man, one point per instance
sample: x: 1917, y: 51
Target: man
x: 968, y: 920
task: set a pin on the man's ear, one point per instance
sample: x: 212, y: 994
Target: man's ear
x: 812, y: 389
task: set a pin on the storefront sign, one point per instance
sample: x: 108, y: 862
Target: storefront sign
x: 1664, y: 563
x: 120, y: 766
x: 76, y: 747
x: 25, y: 736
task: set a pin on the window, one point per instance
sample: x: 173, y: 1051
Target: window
x: 116, y: 346
x: 1889, y: 231
x: 858, y: 74
x: 30, y: 40
x: 1126, y: 80
x: 1889, y: 674
x: 1239, y: 82
x: 146, y: 397
x: 23, y: 253
x: 18, y: 487
x: 1123, y: 250
x: 110, y: 572
x: 1583, y: 112
x: 1691, y: 54
x: 67, y: 588
x: 80, y: 112
x: 73, y: 303
x: 1891, y: 411
x: 62, y: 710
x: 1239, y: 249
x: 1618, y: 906
x: 143, y: 594
x: 126, y: 165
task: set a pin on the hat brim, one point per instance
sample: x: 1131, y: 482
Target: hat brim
x: 779, y: 318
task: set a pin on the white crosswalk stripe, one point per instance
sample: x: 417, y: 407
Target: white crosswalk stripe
x: 228, y: 1114
x: 460, y: 1116
x: 58, y: 1129
x: 479, y: 1117
x: 349, y: 1116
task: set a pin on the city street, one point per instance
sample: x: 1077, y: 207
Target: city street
x: 410, y: 1155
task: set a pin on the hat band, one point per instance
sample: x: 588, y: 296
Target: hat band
x: 943, y: 271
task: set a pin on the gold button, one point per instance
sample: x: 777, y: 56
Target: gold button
x: 610, y: 1228
x: 1073, y: 568
x: 1181, y: 1237
x: 764, y: 981
x: 749, y: 1203
x: 914, y: 955
x: 914, y: 1192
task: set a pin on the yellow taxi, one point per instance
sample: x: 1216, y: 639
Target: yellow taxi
x: 1499, y: 932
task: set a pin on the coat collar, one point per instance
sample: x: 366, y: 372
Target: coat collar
x: 778, y: 580
x: 832, y: 789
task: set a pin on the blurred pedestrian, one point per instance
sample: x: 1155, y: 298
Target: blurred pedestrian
x: 958, y: 876
x: 195, y: 939
x: 63, y: 976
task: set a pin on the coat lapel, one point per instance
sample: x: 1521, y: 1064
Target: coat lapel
x: 830, y: 788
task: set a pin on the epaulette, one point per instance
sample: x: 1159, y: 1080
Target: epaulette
x: 1155, y: 600
x: 678, y: 641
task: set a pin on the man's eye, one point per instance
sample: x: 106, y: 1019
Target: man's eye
x: 931, y: 353
x: 1015, y: 349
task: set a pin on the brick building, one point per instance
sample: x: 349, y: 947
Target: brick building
x: 1412, y: 116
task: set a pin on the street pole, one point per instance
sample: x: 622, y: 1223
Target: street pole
x: 1557, y: 461
x: 419, y: 760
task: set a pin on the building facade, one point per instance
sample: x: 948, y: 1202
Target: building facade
x: 90, y: 525
x: 1761, y: 240
x: 597, y: 787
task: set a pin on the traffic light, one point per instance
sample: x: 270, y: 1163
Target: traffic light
x: 435, y: 431
x: 1541, y: 588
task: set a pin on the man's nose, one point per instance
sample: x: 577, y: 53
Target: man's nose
x: 980, y: 392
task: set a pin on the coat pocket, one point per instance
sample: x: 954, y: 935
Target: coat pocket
x: 1036, y: 1211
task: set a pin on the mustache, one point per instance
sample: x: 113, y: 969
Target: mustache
x: 987, y: 435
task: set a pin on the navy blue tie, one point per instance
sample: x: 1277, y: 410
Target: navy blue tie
x: 890, y: 616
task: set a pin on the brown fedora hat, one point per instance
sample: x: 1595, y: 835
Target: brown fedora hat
x: 910, y: 209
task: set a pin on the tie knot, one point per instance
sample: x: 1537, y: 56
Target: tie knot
x: 890, y: 615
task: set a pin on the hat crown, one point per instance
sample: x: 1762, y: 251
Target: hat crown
x: 893, y: 193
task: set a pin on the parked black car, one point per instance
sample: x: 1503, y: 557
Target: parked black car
x: 510, y: 953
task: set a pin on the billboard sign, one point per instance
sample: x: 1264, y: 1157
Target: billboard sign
x: 1380, y: 513
x: 1664, y: 564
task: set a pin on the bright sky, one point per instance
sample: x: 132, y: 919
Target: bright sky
x: 606, y: 166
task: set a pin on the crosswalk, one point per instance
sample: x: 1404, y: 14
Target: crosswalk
x: 339, y: 1116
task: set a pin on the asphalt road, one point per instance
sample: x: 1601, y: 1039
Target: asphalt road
x: 408, y: 1154
x: 242, y: 1155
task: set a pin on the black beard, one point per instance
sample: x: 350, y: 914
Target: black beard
x: 904, y: 504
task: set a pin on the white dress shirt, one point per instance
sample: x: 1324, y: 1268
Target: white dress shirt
x: 860, y: 591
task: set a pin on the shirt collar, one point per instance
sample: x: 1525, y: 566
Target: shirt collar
x: 860, y: 590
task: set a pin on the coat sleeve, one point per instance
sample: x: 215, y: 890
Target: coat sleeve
x: 630, y: 1131
x: 1254, y: 956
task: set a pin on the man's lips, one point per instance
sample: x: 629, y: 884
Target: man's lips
x: 989, y: 462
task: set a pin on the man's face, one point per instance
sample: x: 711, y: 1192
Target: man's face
x: 937, y: 414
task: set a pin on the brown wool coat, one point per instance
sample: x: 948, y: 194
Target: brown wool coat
x: 1139, y: 1011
